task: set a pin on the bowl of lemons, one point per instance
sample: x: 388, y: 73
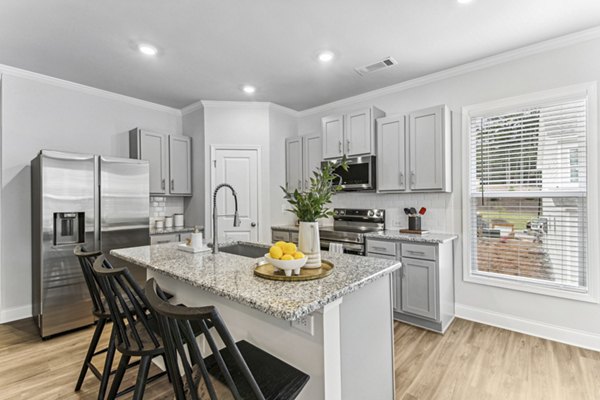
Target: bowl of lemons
x: 286, y: 257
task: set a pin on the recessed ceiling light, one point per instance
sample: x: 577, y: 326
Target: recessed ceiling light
x: 248, y: 89
x: 464, y: 1
x: 326, y: 56
x: 148, y: 49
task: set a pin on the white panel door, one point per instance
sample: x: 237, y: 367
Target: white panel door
x: 239, y: 168
x: 333, y: 136
x: 426, y: 139
x: 391, y: 154
x: 180, y: 165
x: 358, y: 132
x: 293, y: 163
x: 153, y: 148
x: 311, y: 157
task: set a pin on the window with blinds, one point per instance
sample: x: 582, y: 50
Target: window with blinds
x: 528, y: 194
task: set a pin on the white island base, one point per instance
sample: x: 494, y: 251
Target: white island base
x: 350, y: 355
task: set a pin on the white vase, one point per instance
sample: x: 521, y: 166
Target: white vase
x: 310, y: 244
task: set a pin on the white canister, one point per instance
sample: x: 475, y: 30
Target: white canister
x: 197, y: 240
x: 169, y: 222
x: 159, y: 223
x: 178, y: 219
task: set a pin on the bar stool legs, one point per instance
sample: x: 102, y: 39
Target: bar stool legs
x: 87, y: 363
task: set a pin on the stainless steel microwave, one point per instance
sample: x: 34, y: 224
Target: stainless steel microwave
x: 360, y: 174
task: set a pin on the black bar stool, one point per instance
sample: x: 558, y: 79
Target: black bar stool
x: 101, y: 312
x: 242, y: 371
x: 136, y: 331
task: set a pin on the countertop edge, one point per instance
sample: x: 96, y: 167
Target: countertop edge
x: 306, y: 309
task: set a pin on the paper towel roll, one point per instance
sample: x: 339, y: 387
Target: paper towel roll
x: 197, y: 240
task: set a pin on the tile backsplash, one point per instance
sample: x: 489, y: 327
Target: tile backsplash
x: 439, y: 205
x: 161, y: 206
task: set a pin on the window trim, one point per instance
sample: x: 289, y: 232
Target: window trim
x: 588, y: 90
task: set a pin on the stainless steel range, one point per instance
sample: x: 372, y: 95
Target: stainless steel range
x: 349, y: 227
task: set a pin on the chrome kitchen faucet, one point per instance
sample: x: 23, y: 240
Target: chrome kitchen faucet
x: 236, y: 216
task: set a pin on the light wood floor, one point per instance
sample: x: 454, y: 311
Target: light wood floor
x: 470, y: 362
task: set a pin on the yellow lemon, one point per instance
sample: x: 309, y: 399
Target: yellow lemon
x: 289, y: 248
x: 275, y: 252
x: 281, y: 243
x: 298, y: 255
x: 286, y: 257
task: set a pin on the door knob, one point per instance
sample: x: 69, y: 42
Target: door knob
x: 253, y: 224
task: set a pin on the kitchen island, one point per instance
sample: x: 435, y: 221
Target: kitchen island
x: 338, y: 329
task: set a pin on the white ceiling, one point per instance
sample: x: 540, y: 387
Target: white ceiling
x: 208, y: 49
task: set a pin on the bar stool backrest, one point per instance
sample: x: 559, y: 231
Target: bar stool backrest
x: 86, y: 261
x: 177, y: 333
x: 128, y: 308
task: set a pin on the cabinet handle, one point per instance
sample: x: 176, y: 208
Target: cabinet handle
x: 379, y: 248
x: 172, y: 184
x: 299, y: 184
x: 348, y: 145
x: 162, y: 185
x: 340, y: 146
x: 306, y: 186
x: 412, y: 177
x: 163, y: 241
x: 416, y: 252
x: 401, y: 178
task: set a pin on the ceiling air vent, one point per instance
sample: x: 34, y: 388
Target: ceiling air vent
x: 367, y: 69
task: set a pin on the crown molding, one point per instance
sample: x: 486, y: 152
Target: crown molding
x: 501, y: 58
x: 190, y: 108
x: 284, y: 110
x: 22, y: 73
x: 234, y: 104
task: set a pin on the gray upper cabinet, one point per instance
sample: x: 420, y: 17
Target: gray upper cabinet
x: 333, y: 136
x: 430, y: 147
x: 311, y: 156
x: 293, y: 163
x: 391, y: 154
x: 180, y: 165
x: 302, y: 157
x: 169, y: 159
x: 351, y: 134
x: 154, y: 148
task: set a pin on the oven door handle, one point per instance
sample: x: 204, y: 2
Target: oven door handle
x: 350, y: 247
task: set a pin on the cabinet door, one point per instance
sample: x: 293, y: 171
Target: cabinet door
x: 180, y: 165
x: 427, y: 158
x: 332, y: 136
x: 161, y: 239
x: 358, y: 132
x: 311, y: 157
x: 419, y: 288
x: 391, y: 154
x: 153, y: 148
x: 293, y: 163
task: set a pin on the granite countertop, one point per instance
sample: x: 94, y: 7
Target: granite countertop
x: 232, y: 277
x: 289, y: 228
x: 175, y: 229
x: 429, y: 237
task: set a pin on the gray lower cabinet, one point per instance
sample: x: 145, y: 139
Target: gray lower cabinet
x: 170, y: 238
x: 424, y: 286
x: 418, y: 289
x: 280, y: 235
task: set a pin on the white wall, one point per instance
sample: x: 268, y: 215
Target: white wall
x: 561, y: 319
x: 282, y: 125
x: 39, y: 115
x: 238, y: 123
x: 193, y: 126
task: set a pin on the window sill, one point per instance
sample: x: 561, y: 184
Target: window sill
x: 530, y: 288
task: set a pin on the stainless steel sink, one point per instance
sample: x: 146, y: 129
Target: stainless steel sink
x: 244, y: 250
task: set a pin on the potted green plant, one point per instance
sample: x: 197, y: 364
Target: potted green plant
x: 311, y: 205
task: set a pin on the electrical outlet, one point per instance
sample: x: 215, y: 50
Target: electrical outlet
x: 305, y: 324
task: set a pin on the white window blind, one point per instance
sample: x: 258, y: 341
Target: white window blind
x: 528, y: 194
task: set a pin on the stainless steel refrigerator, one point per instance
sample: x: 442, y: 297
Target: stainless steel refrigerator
x: 94, y: 201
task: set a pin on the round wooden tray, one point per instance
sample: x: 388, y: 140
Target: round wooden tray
x: 268, y: 271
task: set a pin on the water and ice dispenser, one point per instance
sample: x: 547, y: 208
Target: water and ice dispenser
x: 69, y: 228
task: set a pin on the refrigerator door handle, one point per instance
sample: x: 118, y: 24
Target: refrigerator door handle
x: 172, y: 184
x: 162, y: 184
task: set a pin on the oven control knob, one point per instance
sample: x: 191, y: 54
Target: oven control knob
x: 336, y: 212
x: 378, y: 214
x: 370, y: 213
x: 342, y: 212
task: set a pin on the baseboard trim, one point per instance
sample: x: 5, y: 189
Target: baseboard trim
x: 15, y: 313
x: 574, y: 337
